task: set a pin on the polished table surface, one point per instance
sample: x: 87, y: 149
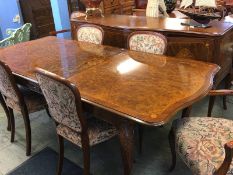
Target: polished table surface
x: 218, y: 28
x: 143, y: 87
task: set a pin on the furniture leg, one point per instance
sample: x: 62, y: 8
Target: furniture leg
x: 186, y: 112
x: 126, y: 137
x: 28, y: 132
x: 140, y: 135
x: 171, y: 138
x: 12, y: 121
x: 5, y: 108
x: 211, y: 105
x: 61, y: 154
x: 227, y: 86
x: 86, y: 155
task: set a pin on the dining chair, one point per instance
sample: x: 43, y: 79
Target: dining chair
x: 205, y: 144
x: 149, y: 42
x: 146, y: 41
x: 65, y: 107
x: 87, y: 33
x: 16, y: 36
x: 19, y: 99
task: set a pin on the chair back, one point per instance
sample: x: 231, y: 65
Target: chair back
x: 7, y: 42
x: 63, y: 99
x: 19, y: 35
x: 90, y: 33
x: 8, y: 87
x: 145, y: 41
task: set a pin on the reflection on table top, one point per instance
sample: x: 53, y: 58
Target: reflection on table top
x: 144, y: 87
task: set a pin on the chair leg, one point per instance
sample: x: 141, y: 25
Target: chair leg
x: 61, y: 155
x: 5, y: 108
x: 211, y: 105
x: 28, y: 132
x: 140, y: 139
x: 12, y: 122
x: 171, y: 138
x: 86, y: 155
x: 47, y: 110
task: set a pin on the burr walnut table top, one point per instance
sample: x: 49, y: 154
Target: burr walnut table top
x: 143, y: 87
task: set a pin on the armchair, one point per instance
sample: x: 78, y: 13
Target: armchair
x: 205, y: 144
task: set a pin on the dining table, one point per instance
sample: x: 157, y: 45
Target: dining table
x: 134, y: 88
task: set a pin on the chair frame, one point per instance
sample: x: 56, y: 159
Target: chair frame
x: 83, y: 123
x: 223, y: 169
x: 147, y: 33
x: 23, y: 109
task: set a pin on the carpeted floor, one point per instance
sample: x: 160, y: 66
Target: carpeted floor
x: 106, y: 157
x: 45, y: 163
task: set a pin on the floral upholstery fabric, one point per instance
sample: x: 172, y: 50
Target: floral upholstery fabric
x: 200, y: 142
x: 147, y: 43
x: 90, y: 34
x: 61, y: 102
x: 33, y: 100
x: 6, y: 87
x: 98, y: 131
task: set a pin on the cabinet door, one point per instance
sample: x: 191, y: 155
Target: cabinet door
x: 194, y: 48
x: 140, y: 4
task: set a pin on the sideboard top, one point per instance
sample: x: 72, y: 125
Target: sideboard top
x: 218, y: 28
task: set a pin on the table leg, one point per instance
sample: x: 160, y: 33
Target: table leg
x: 186, y: 112
x: 126, y: 137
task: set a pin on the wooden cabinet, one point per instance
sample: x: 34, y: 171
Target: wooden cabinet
x: 39, y: 14
x: 118, y: 6
x: 140, y: 4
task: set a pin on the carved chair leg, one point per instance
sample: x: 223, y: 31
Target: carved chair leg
x: 28, y: 132
x: 12, y: 121
x: 171, y: 138
x: 140, y: 139
x: 61, y: 155
x: 86, y: 155
x: 186, y: 112
x: 211, y: 105
x: 5, y: 108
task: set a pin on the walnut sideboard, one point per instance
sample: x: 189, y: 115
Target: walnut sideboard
x: 214, y: 44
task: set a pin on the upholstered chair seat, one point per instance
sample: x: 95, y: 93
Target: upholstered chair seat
x: 200, y: 142
x: 33, y: 101
x: 98, y: 131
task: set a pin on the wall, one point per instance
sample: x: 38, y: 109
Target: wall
x: 61, y: 16
x: 8, y: 10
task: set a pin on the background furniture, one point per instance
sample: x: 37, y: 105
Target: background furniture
x: 90, y: 33
x: 19, y: 35
x: 39, y: 14
x: 118, y: 6
x: 69, y: 118
x: 19, y: 99
x: 149, y: 42
x: 105, y: 68
x: 205, y: 144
